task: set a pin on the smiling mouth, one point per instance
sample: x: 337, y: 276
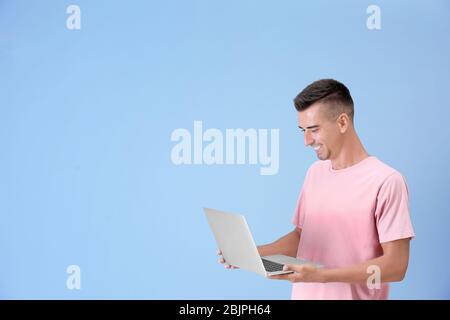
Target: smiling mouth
x: 316, y: 148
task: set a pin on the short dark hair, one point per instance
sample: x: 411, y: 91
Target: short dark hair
x: 335, y: 94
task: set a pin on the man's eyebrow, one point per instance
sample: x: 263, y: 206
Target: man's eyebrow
x: 310, y: 127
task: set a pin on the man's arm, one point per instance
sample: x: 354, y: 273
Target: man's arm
x: 286, y: 245
x: 392, y: 265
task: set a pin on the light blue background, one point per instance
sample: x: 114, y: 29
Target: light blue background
x: 86, y: 118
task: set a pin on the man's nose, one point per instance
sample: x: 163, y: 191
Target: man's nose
x: 308, y: 139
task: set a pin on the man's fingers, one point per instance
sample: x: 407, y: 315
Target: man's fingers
x: 228, y: 266
x: 293, y: 267
x: 279, y: 277
x: 222, y: 261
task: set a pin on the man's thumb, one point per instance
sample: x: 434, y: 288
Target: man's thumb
x: 287, y: 267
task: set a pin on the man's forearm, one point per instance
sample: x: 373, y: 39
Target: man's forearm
x: 286, y: 245
x: 359, y: 273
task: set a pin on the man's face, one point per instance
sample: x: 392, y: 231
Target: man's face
x: 320, y: 132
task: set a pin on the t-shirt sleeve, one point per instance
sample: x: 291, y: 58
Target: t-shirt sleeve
x: 392, y: 210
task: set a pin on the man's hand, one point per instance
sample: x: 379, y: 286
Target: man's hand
x: 302, y: 273
x: 222, y: 261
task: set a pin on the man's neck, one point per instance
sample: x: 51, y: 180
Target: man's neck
x: 351, y: 153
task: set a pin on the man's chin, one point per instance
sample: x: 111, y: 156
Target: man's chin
x: 322, y: 157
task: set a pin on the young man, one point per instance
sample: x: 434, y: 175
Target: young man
x: 352, y: 213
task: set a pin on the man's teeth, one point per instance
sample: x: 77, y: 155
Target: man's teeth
x: 316, y: 148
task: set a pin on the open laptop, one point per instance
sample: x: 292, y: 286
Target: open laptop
x: 238, y: 248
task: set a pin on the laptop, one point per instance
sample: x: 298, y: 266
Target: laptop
x: 238, y: 248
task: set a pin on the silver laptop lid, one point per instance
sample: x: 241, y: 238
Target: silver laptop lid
x: 234, y: 239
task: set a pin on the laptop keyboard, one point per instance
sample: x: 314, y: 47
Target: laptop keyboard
x: 272, y: 266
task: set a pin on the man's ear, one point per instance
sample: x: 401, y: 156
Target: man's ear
x: 343, y: 122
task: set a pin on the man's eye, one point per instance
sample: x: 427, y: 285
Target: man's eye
x: 314, y: 130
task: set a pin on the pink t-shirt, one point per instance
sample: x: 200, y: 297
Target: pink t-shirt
x: 344, y: 216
